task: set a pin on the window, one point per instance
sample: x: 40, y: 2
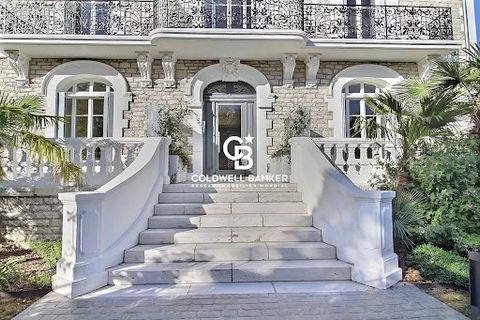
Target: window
x: 86, y: 107
x: 357, y: 111
x: 230, y: 14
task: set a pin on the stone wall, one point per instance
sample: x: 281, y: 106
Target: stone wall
x: 147, y: 101
x: 24, y: 218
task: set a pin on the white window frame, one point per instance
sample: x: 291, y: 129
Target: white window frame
x: 359, y: 96
x: 374, y: 74
x: 90, y: 95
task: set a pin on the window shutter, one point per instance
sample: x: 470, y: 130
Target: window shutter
x: 108, y: 114
x: 345, y: 116
x: 61, y: 113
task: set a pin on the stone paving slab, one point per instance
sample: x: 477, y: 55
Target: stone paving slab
x: 404, y: 301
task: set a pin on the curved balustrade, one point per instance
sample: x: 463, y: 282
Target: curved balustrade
x: 358, y: 159
x: 100, y: 159
x: 139, y: 17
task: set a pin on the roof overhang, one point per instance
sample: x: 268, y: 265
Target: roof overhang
x: 207, y: 44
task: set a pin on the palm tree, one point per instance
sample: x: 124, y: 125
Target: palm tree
x: 19, y: 119
x: 462, y: 75
x: 415, y: 114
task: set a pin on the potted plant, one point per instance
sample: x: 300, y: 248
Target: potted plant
x: 173, y: 122
x: 296, y: 125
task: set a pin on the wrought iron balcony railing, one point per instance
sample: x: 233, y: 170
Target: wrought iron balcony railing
x: 139, y: 17
x: 112, y: 17
x: 378, y: 22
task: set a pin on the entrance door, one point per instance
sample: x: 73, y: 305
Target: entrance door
x: 225, y: 119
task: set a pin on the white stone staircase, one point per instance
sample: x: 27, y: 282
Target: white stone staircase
x: 229, y: 233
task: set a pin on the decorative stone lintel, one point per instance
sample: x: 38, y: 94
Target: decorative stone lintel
x: 289, y: 63
x: 425, y: 66
x: 312, y: 64
x: 168, y: 64
x: 229, y: 67
x: 144, y: 62
x: 21, y: 65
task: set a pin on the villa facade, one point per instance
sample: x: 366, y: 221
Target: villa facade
x: 242, y: 67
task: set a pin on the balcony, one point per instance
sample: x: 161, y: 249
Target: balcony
x: 139, y: 18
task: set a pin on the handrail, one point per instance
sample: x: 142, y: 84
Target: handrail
x: 357, y: 222
x: 99, y: 225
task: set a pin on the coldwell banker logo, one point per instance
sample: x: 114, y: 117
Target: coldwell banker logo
x: 242, y: 154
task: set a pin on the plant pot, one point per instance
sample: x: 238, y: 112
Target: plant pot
x: 280, y: 165
x: 176, y: 169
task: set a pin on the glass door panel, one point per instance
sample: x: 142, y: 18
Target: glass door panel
x: 229, y: 124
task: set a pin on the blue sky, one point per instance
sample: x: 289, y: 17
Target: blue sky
x: 477, y: 15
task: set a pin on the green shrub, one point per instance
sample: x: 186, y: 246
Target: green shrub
x: 50, y: 251
x: 440, y: 265
x: 465, y: 242
x: 449, y: 177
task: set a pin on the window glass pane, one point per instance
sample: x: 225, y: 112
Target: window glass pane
x: 68, y: 106
x: 97, y: 86
x: 369, y: 111
x: 370, y: 88
x: 67, y: 127
x: 82, y: 107
x: 353, y: 130
x: 70, y: 89
x: 84, y: 86
x: 353, y: 107
x: 354, y: 88
x: 81, y: 127
x: 98, y: 106
x: 97, y: 129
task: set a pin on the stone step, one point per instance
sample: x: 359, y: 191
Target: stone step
x: 231, y: 220
x: 229, y: 197
x: 241, y: 271
x: 230, y: 252
x: 229, y: 187
x: 230, y: 208
x: 247, y: 234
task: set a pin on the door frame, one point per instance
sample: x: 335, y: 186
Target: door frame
x: 211, y: 151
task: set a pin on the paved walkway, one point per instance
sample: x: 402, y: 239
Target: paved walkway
x: 404, y: 301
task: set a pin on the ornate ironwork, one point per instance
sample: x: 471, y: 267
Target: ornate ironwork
x: 220, y: 87
x: 139, y: 17
x: 378, y: 22
x: 121, y: 17
x: 230, y: 14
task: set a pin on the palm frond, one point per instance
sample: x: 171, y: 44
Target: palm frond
x: 42, y: 149
x: 412, y: 89
x: 406, y: 216
x: 449, y: 75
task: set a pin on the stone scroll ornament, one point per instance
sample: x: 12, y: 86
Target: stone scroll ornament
x: 144, y: 62
x: 168, y: 64
x: 21, y: 65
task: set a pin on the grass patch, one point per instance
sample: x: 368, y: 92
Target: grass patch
x: 50, y: 251
x: 440, y: 265
x: 453, y: 297
x: 9, y: 274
